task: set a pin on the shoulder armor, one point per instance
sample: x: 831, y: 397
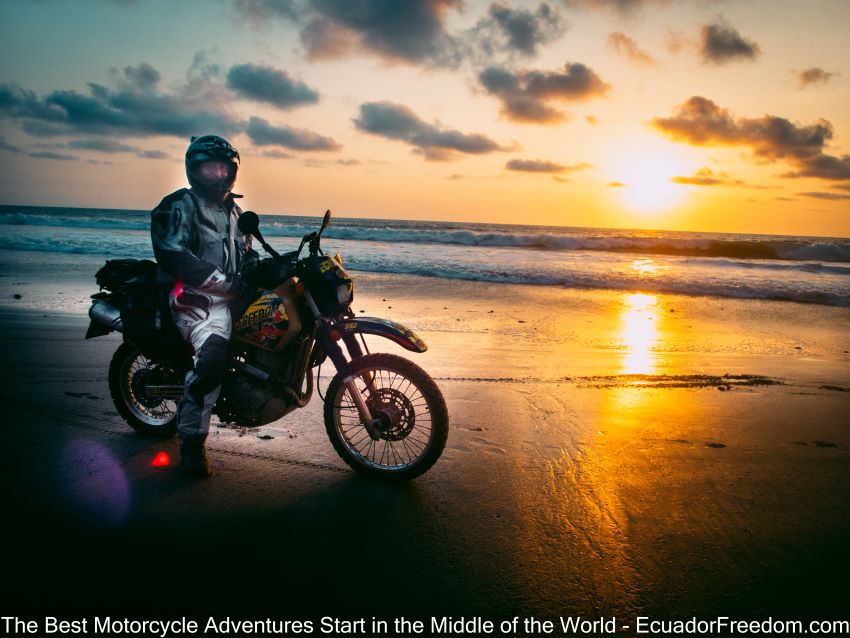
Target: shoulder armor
x: 168, y: 200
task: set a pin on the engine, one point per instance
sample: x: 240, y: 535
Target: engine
x: 254, y: 388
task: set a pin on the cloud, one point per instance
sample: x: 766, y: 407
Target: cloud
x: 278, y: 154
x: 325, y: 40
x: 260, y: 12
x: 153, y: 154
x: 104, y: 145
x: 827, y: 196
x: 525, y: 95
x: 10, y: 148
x: 143, y: 77
x: 624, y: 8
x: 542, y: 166
x: 107, y: 145
x: 397, y: 122
x: 411, y: 31
x: 53, y: 156
x: 701, y: 122
x: 266, y: 84
x: 264, y: 134
x: 134, y: 106
x: 615, y: 185
x: 509, y: 30
x: 721, y: 43
x: 706, y: 177
x: 813, y: 76
x: 628, y: 48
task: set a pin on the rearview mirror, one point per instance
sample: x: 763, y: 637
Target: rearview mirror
x: 248, y: 223
x: 327, y: 220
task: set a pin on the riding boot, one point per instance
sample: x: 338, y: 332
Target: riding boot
x: 193, y: 457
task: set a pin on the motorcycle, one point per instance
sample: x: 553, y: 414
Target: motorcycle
x: 384, y: 415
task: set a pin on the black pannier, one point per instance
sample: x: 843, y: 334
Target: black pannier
x: 143, y: 302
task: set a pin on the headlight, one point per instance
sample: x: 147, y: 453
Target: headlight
x: 345, y: 292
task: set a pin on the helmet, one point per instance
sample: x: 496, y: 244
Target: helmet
x: 206, y: 148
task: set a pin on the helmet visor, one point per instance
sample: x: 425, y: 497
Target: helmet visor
x: 215, y: 174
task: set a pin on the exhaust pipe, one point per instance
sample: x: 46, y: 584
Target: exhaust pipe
x: 107, y: 314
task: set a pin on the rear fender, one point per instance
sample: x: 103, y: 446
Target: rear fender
x: 395, y: 332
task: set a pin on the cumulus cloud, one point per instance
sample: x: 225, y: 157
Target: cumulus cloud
x: 266, y: 84
x: 628, y: 48
x: 701, y: 122
x: 721, y: 43
x: 507, y: 30
x: 134, y: 106
x: 264, y: 134
x: 526, y: 95
x: 813, y: 76
x: 397, y: 122
x: 411, y: 31
x: 143, y: 76
x: 706, y: 177
x: 543, y: 166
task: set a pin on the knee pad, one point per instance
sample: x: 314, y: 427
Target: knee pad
x: 210, y: 367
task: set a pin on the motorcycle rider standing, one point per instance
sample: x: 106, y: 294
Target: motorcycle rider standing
x: 197, y: 243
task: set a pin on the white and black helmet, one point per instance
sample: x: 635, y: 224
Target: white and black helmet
x: 206, y: 148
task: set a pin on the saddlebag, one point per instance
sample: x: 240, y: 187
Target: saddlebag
x: 143, y: 302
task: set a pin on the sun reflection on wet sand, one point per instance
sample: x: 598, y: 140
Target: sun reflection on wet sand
x: 639, y: 333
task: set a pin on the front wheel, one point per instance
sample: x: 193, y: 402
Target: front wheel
x: 130, y: 372
x: 413, y: 414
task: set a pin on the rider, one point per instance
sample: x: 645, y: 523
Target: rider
x: 197, y: 243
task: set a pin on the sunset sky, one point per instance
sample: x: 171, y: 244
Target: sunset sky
x: 715, y: 115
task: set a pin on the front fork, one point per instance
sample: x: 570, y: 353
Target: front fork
x: 371, y: 422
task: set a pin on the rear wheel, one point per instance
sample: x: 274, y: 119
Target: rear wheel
x: 414, y: 421
x: 130, y: 372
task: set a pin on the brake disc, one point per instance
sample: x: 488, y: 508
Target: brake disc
x: 396, y: 412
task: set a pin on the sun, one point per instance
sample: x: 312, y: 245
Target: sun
x: 643, y: 173
x: 648, y: 185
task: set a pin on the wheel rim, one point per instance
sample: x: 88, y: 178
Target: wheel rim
x: 407, y: 423
x: 153, y: 411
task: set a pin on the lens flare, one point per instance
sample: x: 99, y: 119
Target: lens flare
x: 161, y: 460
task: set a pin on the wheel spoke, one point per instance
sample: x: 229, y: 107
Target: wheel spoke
x: 402, y: 412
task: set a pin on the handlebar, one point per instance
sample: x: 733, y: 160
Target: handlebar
x: 249, y: 224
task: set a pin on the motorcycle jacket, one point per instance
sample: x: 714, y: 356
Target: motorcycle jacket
x: 197, y: 242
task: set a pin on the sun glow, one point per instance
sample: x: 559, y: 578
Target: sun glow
x: 643, y: 173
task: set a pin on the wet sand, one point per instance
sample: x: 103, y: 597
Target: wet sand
x: 610, y: 453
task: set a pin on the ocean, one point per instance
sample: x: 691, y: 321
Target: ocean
x: 804, y: 269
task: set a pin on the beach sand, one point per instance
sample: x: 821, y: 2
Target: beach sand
x: 611, y: 453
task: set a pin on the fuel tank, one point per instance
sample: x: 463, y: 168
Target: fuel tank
x: 271, y: 321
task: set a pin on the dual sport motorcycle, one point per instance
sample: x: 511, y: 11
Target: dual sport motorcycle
x: 384, y: 415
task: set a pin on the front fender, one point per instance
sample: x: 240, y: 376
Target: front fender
x: 405, y: 337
